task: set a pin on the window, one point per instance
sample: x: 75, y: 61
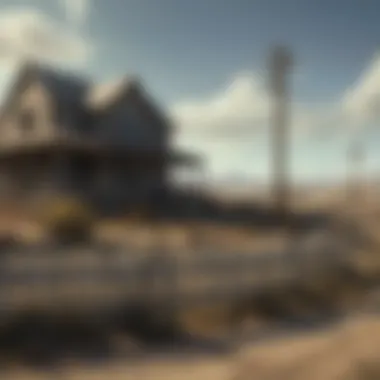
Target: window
x: 27, y: 121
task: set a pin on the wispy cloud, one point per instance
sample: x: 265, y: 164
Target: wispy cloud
x: 28, y: 33
x: 225, y: 126
x: 361, y: 102
x: 77, y: 11
x: 242, y: 109
x: 237, y: 110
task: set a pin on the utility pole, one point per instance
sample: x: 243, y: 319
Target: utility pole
x: 280, y: 65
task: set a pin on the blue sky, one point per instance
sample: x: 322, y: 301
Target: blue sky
x: 204, y: 61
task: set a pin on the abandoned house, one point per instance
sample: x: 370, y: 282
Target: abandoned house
x: 109, y: 143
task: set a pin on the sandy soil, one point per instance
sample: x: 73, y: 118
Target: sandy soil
x: 349, y: 351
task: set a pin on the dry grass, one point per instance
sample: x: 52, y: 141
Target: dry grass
x: 181, y: 237
x: 188, y: 236
x: 350, y: 351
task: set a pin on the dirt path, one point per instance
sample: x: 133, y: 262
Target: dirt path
x: 345, y: 351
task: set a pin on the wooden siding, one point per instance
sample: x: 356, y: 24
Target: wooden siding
x: 36, y: 101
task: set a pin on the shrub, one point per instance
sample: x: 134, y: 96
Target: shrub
x: 68, y: 219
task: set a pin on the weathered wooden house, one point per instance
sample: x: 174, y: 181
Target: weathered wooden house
x: 61, y: 134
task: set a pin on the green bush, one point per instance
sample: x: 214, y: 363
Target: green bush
x: 68, y: 219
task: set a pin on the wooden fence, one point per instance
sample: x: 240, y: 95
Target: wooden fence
x: 105, y: 277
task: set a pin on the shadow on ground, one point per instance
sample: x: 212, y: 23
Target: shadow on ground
x: 46, y: 342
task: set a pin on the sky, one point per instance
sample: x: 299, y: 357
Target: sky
x: 205, y: 61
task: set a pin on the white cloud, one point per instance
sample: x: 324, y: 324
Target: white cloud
x: 31, y: 34
x: 235, y: 111
x: 243, y: 109
x: 361, y: 102
x: 225, y: 125
x: 76, y: 11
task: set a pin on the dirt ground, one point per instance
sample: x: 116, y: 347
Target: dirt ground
x: 350, y: 350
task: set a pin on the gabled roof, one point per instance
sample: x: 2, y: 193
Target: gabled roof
x: 102, y: 96
x: 76, y: 93
x: 64, y: 87
x: 71, y: 92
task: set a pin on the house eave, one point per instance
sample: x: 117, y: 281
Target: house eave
x: 172, y: 157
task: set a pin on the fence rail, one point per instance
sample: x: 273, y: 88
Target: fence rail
x: 101, y: 277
